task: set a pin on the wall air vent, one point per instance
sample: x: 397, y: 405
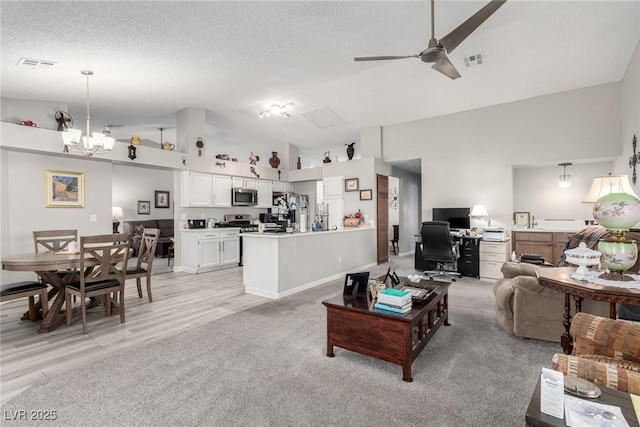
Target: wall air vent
x: 472, y: 60
x: 35, y: 63
x: 323, y: 117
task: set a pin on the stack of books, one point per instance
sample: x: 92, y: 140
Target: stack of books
x: 394, y: 300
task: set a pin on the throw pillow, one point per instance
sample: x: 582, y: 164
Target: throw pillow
x: 139, y: 229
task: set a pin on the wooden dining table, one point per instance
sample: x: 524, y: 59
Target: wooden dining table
x: 47, y: 265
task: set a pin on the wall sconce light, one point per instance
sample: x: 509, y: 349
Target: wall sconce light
x: 275, y: 109
x: 565, y: 180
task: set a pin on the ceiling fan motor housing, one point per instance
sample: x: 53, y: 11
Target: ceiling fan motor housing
x: 433, y: 54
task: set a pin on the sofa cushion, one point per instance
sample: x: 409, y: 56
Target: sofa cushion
x: 166, y: 227
x: 515, y: 269
x: 134, y: 226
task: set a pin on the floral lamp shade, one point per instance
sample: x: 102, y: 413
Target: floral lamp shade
x: 617, y: 212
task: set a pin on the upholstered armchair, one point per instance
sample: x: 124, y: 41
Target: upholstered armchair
x: 604, y: 350
x: 526, y: 309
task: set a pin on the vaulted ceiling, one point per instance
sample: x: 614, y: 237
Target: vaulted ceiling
x: 235, y: 59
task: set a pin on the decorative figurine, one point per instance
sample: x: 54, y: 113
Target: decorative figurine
x: 327, y: 157
x: 299, y: 164
x: 279, y: 172
x: 253, y: 159
x: 253, y: 171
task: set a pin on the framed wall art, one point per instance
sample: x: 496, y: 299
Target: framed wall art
x: 64, y: 189
x: 521, y: 219
x: 351, y: 184
x: 366, y: 194
x: 162, y: 199
x: 144, y: 207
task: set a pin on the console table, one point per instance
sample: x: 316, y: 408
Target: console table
x: 560, y: 279
x: 353, y: 323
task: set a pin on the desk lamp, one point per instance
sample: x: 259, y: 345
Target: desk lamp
x: 479, y: 211
x: 116, y: 212
x: 617, y: 209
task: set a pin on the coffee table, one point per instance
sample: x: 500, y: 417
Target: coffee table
x: 535, y: 418
x: 353, y: 323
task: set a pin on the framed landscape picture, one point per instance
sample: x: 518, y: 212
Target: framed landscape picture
x: 64, y: 189
x: 144, y: 206
x: 162, y: 199
x: 351, y: 184
x: 366, y: 194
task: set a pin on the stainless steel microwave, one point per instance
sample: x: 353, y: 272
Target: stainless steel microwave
x: 244, y: 197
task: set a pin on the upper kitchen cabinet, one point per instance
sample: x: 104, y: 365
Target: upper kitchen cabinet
x: 196, y: 189
x: 248, y: 183
x: 283, y: 187
x: 265, y: 194
x: 221, y: 191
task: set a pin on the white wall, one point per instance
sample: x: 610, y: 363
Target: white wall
x: 467, y: 157
x: 40, y: 112
x: 630, y: 112
x: 23, y: 201
x: 536, y: 190
x: 133, y: 183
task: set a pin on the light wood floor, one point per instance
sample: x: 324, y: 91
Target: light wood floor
x: 180, y: 301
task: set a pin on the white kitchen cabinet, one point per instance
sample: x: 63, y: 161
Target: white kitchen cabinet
x: 289, y: 187
x: 237, y: 182
x: 196, y: 189
x: 209, y: 250
x: 492, y: 256
x: 221, y: 191
x: 277, y: 186
x: 265, y: 194
x: 250, y: 183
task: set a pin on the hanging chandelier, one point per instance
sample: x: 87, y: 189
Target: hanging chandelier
x: 98, y: 143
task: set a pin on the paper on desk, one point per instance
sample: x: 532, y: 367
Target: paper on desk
x: 636, y: 405
x: 585, y: 413
x: 551, y: 392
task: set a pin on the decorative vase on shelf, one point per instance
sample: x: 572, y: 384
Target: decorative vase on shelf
x: 299, y: 164
x: 350, y: 150
x: 274, y: 161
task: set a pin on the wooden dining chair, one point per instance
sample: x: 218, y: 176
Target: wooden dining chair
x: 146, y: 254
x: 54, y: 240
x: 99, y: 259
x: 28, y: 289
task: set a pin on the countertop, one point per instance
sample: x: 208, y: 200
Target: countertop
x: 209, y: 230
x: 308, y: 233
x: 546, y: 230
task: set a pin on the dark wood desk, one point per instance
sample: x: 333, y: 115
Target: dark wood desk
x: 354, y: 324
x: 535, y: 418
x: 45, y: 265
x: 560, y: 279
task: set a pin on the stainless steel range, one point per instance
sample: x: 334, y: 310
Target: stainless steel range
x: 243, y: 221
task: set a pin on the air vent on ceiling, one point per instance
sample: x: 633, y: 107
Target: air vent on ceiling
x: 36, y: 63
x: 471, y: 60
x: 323, y: 117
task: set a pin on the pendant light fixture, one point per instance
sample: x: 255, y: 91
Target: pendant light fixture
x: 565, y: 180
x: 98, y: 143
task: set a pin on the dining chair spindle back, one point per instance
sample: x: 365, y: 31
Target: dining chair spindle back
x: 103, y: 279
x: 146, y: 255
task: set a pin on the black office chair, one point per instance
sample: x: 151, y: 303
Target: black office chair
x: 439, y: 247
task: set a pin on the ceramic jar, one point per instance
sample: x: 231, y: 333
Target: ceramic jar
x: 274, y: 161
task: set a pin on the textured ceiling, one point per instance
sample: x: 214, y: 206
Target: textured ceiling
x: 234, y: 59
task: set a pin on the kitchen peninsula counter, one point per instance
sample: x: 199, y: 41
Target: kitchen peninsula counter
x: 281, y: 264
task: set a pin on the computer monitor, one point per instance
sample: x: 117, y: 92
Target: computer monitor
x: 458, y: 218
x: 355, y: 283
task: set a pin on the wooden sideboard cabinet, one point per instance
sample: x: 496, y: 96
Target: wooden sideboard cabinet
x: 549, y: 244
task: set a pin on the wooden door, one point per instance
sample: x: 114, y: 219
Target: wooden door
x: 382, y: 208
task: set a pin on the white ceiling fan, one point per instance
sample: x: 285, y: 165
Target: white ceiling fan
x: 437, y: 50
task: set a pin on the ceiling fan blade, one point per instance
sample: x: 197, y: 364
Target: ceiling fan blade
x: 382, y: 58
x: 457, y: 36
x: 445, y: 66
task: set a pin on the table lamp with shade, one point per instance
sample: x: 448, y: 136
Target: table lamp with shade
x: 479, y: 211
x: 116, y: 212
x: 616, y: 208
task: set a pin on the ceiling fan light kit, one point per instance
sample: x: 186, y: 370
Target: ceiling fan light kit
x: 437, y: 51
